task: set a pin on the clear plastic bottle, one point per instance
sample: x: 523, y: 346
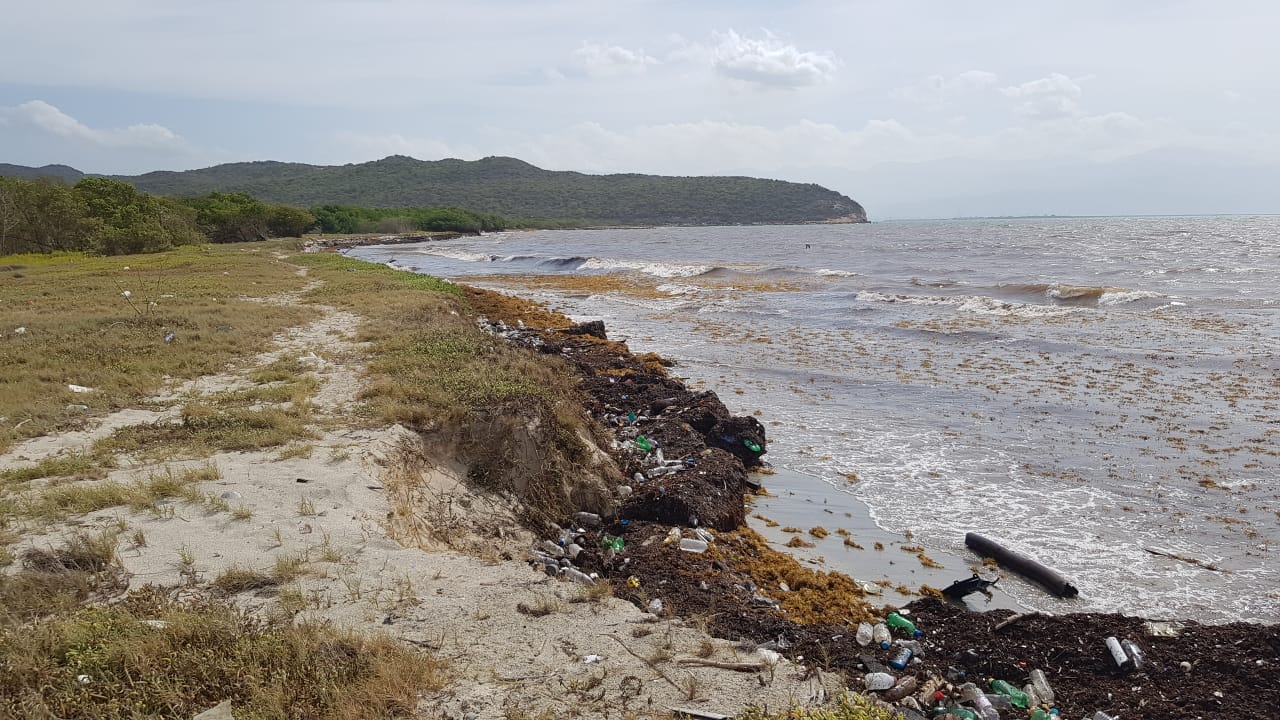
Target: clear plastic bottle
x: 972, y: 695
x: 863, y: 635
x: 693, y: 546
x: 880, y: 634
x: 1134, y: 652
x: 1044, y: 691
x: 878, y: 681
x: 1118, y: 654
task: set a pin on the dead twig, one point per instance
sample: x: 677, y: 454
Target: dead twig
x: 652, y: 667
x: 1188, y: 560
x: 737, y: 666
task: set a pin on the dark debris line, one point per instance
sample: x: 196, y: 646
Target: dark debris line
x: 1207, y: 672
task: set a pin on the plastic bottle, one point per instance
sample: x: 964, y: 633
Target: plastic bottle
x: 1016, y: 696
x: 877, y: 681
x: 578, y: 576
x: 693, y: 546
x: 1040, y: 714
x: 586, y: 519
x: 1117, y: 653
x: 905, y: 687
x: 901, y: 660
x: 863, y: 635
x: 1041, y: 683
x: 644, y: 443
x: 894, y: 620
x: 985, y: 710
x: 1134, y: 652
x: 972, y: 695
x: 880, y: 633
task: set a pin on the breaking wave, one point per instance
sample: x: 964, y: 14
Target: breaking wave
x: 1076, y: 295
x: 978, y: 304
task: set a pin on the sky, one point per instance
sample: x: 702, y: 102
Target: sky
x: 913, y: 108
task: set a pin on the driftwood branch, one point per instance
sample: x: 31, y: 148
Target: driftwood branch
x: 1015, y: 618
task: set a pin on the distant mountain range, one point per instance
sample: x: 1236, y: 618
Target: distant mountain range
x: 505, y: 186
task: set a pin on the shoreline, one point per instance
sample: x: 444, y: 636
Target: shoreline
x: 1186, y: 668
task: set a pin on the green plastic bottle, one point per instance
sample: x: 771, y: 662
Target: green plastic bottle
x: 894, y: 620
x: 1016, y: 696
x: 1040, y: 714
x: 644, y: 443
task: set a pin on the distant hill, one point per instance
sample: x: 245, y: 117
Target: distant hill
x: 59, y: 172
x: 515, y: 189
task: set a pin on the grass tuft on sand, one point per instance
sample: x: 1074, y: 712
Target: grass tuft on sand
x: 151, y: 656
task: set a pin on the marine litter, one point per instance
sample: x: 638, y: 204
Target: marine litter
x: 672, y: 548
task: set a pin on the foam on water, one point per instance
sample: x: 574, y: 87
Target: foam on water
x: 657, y: 269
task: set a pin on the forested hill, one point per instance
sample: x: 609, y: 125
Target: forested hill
x: 516, y: 189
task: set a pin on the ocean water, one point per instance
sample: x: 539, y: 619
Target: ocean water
x: 1083, y: 390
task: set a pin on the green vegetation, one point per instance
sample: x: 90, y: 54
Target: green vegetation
x: 238, y: 217
x: 514, y: 189
x: 351, y: 219
x: 111, y: 217
x: 104, y: 216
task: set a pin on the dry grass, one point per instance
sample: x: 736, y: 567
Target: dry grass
x: 848, y: 706
x: 236, y: 579
x: 541, y: 607
x: 199, y: 655
x: 61, y: 501
x: 80, y: 328
x: 206, y: 429
x: 76, y: 466
x: 59, y: 579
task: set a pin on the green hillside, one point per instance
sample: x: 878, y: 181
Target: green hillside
x: 57, y: 172
x: 516, y: 189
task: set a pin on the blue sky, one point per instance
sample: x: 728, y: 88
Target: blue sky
x: 914, y: 108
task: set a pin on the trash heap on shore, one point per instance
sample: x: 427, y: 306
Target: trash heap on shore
x: 676, y: 545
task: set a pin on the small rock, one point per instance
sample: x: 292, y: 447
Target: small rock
x: 221, y: 711
x: 231, y: 495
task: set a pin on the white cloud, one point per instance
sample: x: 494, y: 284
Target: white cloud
x: 1055, y: 96
x: 937, y: 89
x: 611, y: 60
x: 47, y: 119
x: 769, y: 62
